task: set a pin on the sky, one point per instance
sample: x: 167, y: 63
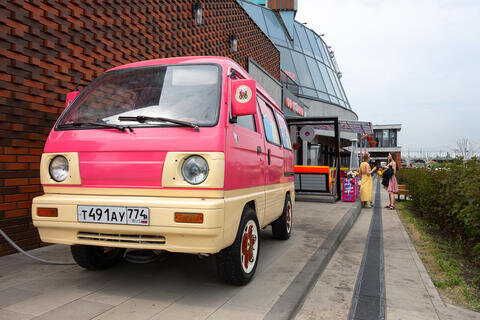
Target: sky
x: 413, y: 62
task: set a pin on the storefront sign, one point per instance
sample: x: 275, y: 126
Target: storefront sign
x: 307, y: 133
x: 292, y: 106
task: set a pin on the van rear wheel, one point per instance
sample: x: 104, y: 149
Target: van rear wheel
x: 282, y: 227
x: 96, y: 258
x: 237, y: 264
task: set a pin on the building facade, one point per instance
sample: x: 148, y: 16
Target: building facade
x: 383, y: 142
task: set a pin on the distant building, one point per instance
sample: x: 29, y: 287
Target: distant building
x: 385, y: 141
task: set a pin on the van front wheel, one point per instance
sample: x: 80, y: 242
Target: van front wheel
x: 237, y: 263
x: 96, y: 258
x: 282, y: 227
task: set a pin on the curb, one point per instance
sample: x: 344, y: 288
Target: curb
x: 292, y: 299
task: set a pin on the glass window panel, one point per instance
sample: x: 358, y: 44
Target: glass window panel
x: 286, y: 141
x: 335, y: 85
x: 296, y: 40
x: 246, y: 122
x: 326, y: 78
x: 269, y: 123
x: 323, y: 95
x: 310, y: 92
x: 274, y: 28
x: 326, y: 56
x: 338, y: 87
x: 286, y: 63
x: 303, y: 38
x: 255, y: 12
x: 342, y: 92
x: 303, y: 73
x: 313, y: 43
x: 320, y: 47
x: 317, y: 77
x: 334, y: 100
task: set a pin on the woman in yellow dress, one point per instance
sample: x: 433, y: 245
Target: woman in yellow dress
x: 366, y: 183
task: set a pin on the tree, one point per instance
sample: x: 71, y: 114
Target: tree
x: 465, y: 148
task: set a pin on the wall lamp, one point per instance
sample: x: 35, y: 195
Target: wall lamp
x: 197, y: 12
x: 233, y: 42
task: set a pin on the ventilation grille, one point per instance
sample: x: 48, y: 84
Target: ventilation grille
x: 125, y: 238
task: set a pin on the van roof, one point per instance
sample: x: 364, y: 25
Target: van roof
x: 223, y: 61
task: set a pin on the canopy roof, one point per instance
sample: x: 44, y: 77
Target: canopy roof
x: 360, y: 127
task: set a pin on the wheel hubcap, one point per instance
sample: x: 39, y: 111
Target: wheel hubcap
x: 249, y: 248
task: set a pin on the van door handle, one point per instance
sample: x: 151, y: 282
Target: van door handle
x: 259, y: 150
x: 268, y: 156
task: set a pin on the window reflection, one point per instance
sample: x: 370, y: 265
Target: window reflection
x: 274, y: 28
x: 256, y: 14
x: 303, y: 72
x: 317, y: 78
x: 303, y: 38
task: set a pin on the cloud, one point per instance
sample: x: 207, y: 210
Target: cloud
x: 413, y: 62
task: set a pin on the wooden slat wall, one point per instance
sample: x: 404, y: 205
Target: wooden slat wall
x: 282, y: 4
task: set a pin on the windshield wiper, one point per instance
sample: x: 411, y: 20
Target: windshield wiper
x: 143, y: 119
x: 106, y: 125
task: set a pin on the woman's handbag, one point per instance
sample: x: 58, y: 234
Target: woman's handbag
x: 387, y: 174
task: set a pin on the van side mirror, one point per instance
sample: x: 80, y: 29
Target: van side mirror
x: 71, y: 96
x: 244, y: 95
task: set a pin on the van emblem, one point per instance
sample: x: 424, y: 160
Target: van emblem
x: 243, y: 94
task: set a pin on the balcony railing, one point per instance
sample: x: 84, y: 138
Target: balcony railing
x: 380, y: 143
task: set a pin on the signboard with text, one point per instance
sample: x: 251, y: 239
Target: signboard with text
x: 292, y: 106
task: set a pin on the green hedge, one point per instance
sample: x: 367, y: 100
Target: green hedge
x: 449, y: 196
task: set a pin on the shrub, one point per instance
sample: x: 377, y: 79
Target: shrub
x: 449, y: 197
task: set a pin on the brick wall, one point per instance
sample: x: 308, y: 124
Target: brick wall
x: 48, y: 46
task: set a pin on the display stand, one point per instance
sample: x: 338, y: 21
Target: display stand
x: 350, y: 189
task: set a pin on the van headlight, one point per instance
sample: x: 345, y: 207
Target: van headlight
x: 58, y: 168
x: 195, y: 169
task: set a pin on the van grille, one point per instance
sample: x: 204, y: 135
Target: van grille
x: 126, y: 238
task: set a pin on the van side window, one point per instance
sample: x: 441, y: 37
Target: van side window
x: 287, y: 143
x: 247, y: 122
x: 269, y: 123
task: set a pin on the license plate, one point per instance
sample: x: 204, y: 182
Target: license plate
x: 138, y: 216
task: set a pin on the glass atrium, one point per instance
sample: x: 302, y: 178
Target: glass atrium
x: 305, y: 59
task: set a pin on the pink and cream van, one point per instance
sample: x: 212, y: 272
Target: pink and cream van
x: 182, y: 155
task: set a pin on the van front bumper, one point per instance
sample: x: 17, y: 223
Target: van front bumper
x: 163, y: 233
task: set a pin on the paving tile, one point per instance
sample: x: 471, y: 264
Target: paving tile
x: 10, y: 315
x: 143, y: 306
x: 235, y: 312
x: 199, y: 304
x: 29, y: 272
x: 76, y: 310
x: 14, y: 295
x: 116, y: 292
x: 47, y: 301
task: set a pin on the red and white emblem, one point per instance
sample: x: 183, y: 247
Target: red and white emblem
x: 243, y: 94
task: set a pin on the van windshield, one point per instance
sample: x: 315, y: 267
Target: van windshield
x: 186, y: 93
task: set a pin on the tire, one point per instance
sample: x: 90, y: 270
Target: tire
x: 282, y: 227
x: 96, y: 258
x: 233, y: 263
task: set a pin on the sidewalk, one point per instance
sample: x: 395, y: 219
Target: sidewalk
x: 409, y: 291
